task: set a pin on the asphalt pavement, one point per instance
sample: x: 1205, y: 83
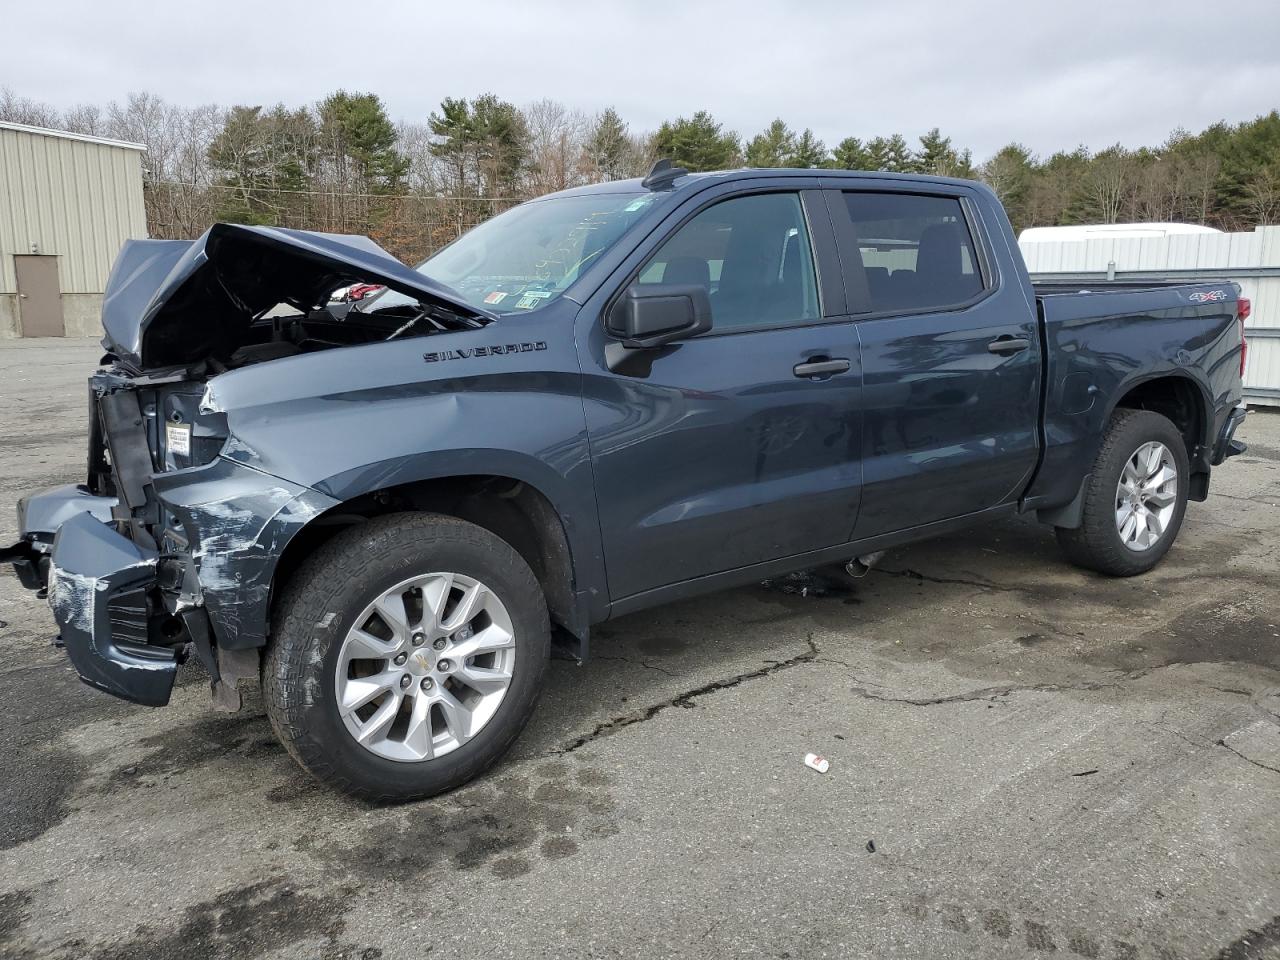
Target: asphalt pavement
x: 1027, y: 760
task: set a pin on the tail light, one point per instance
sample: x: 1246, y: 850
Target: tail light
x: 1243, y: 308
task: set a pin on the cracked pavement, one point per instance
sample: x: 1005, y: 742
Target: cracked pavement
x: 1026, y: 760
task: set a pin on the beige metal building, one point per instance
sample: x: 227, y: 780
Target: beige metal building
x: 67, y: 204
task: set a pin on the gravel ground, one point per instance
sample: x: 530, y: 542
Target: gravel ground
x: 1025, y: 760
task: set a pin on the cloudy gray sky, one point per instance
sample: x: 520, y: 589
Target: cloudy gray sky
x: 1050, y: 74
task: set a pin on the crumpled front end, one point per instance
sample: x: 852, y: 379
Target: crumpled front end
x: 163, y: 552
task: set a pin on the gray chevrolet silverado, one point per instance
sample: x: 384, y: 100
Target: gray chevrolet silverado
x: 598, y: 401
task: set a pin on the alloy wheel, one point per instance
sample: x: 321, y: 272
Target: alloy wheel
x: 425, y: 667
x: 1146, y: 496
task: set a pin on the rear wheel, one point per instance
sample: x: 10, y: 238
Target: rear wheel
x: 1135, y: 498
x: 408, y: 655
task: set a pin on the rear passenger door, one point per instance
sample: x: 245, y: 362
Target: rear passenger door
x: 950, y: 357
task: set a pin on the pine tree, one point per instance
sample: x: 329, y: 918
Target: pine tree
x: 484, y: 143
x: 1245, y: 151
x: 809, y: 151
x: 773, y: 147
x: 608, y: 146
x: 356, y: 130
x: 936, y: 156
x: 1009, y: 173
x: 698, y: 143
x: 890, y: 154
x: 850, y: 154
x: 263, y: 164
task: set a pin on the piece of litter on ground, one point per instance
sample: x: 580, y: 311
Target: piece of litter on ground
x: 871, y: 846
x: 816, y: 762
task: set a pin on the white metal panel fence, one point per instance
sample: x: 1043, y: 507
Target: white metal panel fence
x: 1251, y: 259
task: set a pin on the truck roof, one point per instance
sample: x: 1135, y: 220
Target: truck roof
x: 689, y: 181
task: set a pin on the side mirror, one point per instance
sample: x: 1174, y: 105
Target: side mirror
x: 652, y: 314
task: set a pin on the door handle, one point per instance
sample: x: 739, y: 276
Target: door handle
x: 821, y: 367
x: 1008, y: 345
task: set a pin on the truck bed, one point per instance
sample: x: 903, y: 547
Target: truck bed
x: 1047, y: 288
x: 1104, y: 339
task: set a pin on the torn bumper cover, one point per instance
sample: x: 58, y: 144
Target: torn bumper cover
x: 97, y: 582
x: 39, y: 517
x: 125, y: 609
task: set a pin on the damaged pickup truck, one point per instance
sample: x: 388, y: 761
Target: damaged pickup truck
x: 599, y: 401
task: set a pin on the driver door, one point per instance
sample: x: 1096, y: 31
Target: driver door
x: 731, y: 448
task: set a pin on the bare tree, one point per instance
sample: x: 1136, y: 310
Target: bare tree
x: 16, y: 109
x: 1108, y: 181
x: 414, y: 140
x: 1262, y: 197
x: 1156, y: 194
x: 557, y: 136
x: 145, y: 118
x: 85, y: 118
x: 1198, y: 183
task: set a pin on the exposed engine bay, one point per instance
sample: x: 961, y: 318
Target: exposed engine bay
x: 338, y: 325
x: 240, y: 295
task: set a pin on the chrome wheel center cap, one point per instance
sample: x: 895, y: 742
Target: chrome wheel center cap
x: 421, y: 661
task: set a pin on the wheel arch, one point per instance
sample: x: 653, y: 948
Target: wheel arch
x: 1183, y: 400
x: 511, y: 507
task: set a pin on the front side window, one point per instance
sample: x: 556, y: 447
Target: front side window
x: 752, y: 254
x: 917, y: 251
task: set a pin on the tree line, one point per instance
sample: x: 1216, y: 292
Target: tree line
x: 342, y: 165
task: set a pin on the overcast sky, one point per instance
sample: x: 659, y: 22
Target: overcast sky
x: 1049, y: 73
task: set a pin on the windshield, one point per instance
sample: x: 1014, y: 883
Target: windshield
x: 526, y: 257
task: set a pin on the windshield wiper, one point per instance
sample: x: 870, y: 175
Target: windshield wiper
x: 440, y: 318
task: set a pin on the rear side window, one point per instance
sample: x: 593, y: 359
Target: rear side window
x: 752, y: 254
x: 917, y: 251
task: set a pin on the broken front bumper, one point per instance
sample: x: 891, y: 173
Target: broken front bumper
x: 97, y: 583
x: 39, y: 517
x: 127, y: 611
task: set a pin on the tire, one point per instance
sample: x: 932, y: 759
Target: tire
x: 315, y: 655
x: 1097, y: 544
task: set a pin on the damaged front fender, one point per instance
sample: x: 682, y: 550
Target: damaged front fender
x: 231, y: 523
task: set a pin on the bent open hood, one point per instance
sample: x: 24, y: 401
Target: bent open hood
x: 170, y: 302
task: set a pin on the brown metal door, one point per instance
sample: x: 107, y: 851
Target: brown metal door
x: 40, y: 302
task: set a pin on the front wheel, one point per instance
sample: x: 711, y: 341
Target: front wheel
x: 408, y: 655
x: 1135, y: 497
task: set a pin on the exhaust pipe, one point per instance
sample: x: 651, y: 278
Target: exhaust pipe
x: 859, y: 567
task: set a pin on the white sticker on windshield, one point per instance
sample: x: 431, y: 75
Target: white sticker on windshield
x: 635, y: 205
x: 177, y: 438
